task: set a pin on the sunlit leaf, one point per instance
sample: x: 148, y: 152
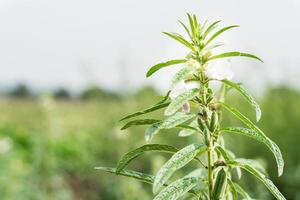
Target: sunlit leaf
x: 234, y: 54
x: 247, y: 96
x: 274, y: 148
x: 180, y: 39
x: 148, y: 110
x: 127, y: 158
x: 139, y: 122
x: 267, y: 182
x: 219, y: 32
x: 177, y: 161
x: 219, y: 185
x: 168, y: 123
x: 180, y: 100
x: 157, y: 67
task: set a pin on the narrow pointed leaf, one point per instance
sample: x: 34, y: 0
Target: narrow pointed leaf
x: 164, y: 99
x: 148, y: 110
x: 180, y: 39
x: 211, y: 28
x: 219, y: 32
x: 186, y: 29
x: 178, y: 102
x: 127, y: 158
x: 129, y: 173
x: 157, y: 67
x: 177, y: 189
x: 181, y: 75
x: 188, y: 132
x: 219, y: 185
x: 177, y: 161
x: 254, y: 135
x: 274, y: 148
x: 242, y: 192
x: 139, y: 122
x: 168, y: 123
x: 238, y: 189
x: 146, y: 178
x: 247, y: 96
x: 192, y: 26
x: 267, y: 182
x: 234, y: 54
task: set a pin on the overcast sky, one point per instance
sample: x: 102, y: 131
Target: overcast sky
x: 72, y: 43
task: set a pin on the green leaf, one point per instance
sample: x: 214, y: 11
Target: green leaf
x: 181, y: 75
x: 210, y: 28
x: 192, y: 25
x: 186, y: 29
x: 219, y: 185
x: 232, y: 189
x: 274, y: 148
x: 242, y: 192
x: 235, y: 54
x: 146, y: 178
x: 213, y: 46
x: 178, y: 102
x: 247, y: 96
x: 254, y: 135
x: 219, y: 32
x: 129, y: 173
x: 177, y: 189
x: 164, y: 99
x: 148, y: 110
x: 127, y: 158
x: 224, y: 153
x: 180, y: 39
x: 139, y: 122
x: 267, y: 182
x: 157, y: 67
x: 238, y: 189
x: 188, y: 132
x: 168, y: 123
x: 177, y: 161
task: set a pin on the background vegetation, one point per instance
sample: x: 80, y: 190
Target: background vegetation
x: 49, y: 146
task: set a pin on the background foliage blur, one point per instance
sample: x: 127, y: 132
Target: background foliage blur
x: 49, y: 146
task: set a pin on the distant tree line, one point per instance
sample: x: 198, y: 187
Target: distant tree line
x: 22, y: 91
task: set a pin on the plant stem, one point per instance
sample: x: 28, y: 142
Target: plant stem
x: 210, y: 170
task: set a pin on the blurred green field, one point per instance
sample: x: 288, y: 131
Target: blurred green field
x: 48, y: 148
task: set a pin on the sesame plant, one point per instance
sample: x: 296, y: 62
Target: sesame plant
x: 194, y: 107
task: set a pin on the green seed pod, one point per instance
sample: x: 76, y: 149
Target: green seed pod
x: 214, y: 121
x: 206, y: 136
x: 219, y: 186
x: 201, y: 124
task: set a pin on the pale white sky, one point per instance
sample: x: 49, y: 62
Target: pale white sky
x: 47, y: 43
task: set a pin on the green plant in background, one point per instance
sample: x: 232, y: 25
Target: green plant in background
x: 194, y: 107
